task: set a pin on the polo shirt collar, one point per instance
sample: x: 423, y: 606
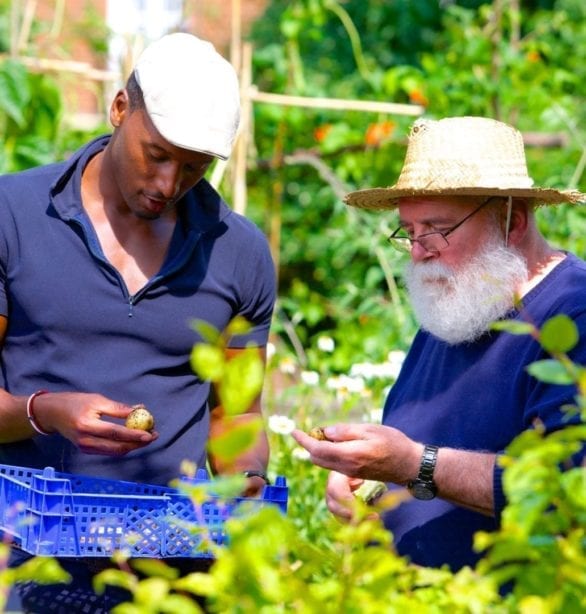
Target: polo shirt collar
x: 201, y: 209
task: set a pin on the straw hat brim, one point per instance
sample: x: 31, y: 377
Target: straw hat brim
x: 387, y: 198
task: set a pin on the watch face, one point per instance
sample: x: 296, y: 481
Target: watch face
x: 422, y: 490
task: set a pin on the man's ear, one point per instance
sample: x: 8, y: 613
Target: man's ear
x: 519, y: 222
x: 119, y: 108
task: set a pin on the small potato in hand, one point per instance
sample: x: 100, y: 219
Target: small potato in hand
x: 140, y: 418
x: 317, y: 432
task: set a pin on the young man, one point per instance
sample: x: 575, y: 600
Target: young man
x: 466, y: 209
x: 105, y: 260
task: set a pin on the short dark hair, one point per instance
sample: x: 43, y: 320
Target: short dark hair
x: 135, y: 96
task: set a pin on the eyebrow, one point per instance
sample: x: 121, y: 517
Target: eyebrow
x: 429, y: 222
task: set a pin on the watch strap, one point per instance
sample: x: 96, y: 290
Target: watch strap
x: 428, y: 462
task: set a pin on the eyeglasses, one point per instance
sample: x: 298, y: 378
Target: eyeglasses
x: 432, y: 242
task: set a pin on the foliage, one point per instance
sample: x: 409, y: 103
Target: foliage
x: 541, y: 546
x: 306, y: 562
x: 29, y: 107
x: 32, y: 114
x: 43, y: 570
x: 337, y: 275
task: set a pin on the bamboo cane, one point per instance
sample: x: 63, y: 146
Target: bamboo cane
x: 335, y: 103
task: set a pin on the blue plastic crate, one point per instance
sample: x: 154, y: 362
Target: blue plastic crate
x: 48, y: 513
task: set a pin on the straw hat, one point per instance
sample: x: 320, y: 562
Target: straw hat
x: 466, y: 156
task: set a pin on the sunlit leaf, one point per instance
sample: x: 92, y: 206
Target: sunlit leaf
x: 152, y: 590
x: 113, y: 577
x: 155, y: 567
x: 514, y: 327
x: 197, y: 583
x: 237, y: 326
x: 208, y: 333
x: 236, y: 440
x: 242, y: 382
x: 559, y: 334
x: 550, y: 371
x: 208, y: 361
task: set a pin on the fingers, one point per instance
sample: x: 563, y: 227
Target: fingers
x: 351, y: 432
x: 344, y: 455
x: 339, y: 497
x: 92, y: 423
x: 114, y: 440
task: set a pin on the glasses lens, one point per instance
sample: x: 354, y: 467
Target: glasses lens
x: 403, y: 244
x: 433, y: 242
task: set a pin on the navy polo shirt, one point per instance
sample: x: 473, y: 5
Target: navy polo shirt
x: 73, y: 326
x: 478, y: 396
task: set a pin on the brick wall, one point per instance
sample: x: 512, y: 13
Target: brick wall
x: 86, y: 98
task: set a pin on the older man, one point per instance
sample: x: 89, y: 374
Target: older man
x: 466, y: 208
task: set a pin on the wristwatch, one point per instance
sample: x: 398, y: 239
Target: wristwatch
x: 423, y: 486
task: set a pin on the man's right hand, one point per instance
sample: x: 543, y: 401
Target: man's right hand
x: 339, y: 495
x: 79, y: 417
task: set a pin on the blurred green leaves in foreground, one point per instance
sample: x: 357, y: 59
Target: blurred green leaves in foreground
x: 306, y: 561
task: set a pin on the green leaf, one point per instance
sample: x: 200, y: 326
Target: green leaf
x: 197, y: 583
x: 152, y: 591
x: 207, y: 331
x: 236, y: 440
x: 208, y: 361
x: 14, y: 91
x: 550, y: 372
x: 237, y: 326
x: 113, y: 577
x: 155, y: 567
x: 242, y: 381
x: 515, y: 327
x: 559, y: 334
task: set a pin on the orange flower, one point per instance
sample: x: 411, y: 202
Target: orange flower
x: 379, y: 132
x: 321, y: 132
x: 533, y: 56
x: 418, y: 97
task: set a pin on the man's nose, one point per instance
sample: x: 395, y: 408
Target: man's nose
x: 419, y: 253
x: 168, y: 180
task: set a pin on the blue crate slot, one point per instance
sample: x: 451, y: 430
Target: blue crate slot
x: 48, y: 513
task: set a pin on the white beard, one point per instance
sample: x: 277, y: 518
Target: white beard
x: 458, y: 306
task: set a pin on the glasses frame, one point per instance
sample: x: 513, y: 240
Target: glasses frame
x: 398, y: 242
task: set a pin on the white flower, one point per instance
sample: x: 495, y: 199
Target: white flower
x: 326, y: 344
x: 271, y: 350
x: 368, y: 370
x: 287, y: 365
x: 300, y: 453
x: 311, y: 378
x: 281, y: 424
x: 395, y: 361
x: 396, y: 356
x: 345, y: 384
x: 375, y: 415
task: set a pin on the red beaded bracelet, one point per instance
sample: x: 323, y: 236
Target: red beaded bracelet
x: 30, y: 414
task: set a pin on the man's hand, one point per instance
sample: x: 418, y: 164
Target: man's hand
x: 383, y: 453
x: 339, y: 495
x: 79, y: 417
x: 367, y: 451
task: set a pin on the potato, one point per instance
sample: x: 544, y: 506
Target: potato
x: 317, y: 432
x: 370, y: 490
x: 140, y: 418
